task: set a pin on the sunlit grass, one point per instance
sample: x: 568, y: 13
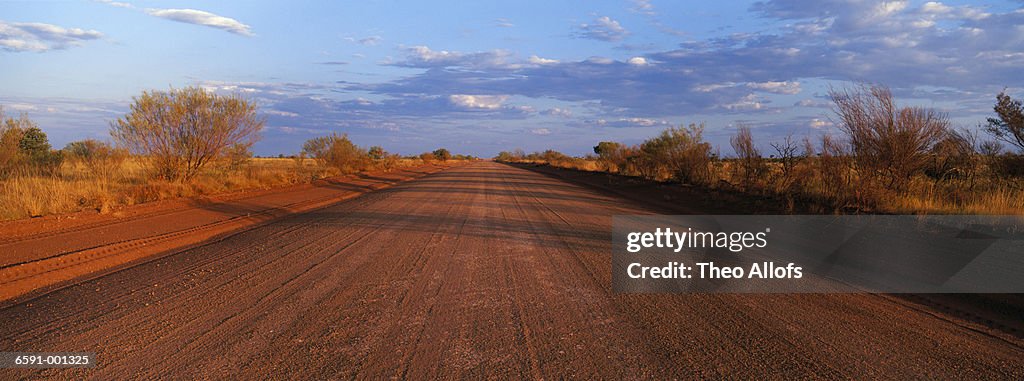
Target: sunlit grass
x: 74, y: 188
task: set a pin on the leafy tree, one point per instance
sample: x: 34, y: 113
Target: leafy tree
x: 183, y: 130
x: 1009, y: 126
x: 605, y: 150
x: 442, y: 154
x: 34, y: 143
x: 377, y: 153
x: 336, y: 151
x: 682, y: 152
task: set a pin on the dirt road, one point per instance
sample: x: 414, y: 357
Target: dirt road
x: 479, y: 270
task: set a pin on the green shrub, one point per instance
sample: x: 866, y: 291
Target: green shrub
x: 337, y: 151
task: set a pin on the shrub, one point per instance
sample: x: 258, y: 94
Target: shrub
x: 11, y: 132
x: 681, y: 152
x: 336, y: 151
x: 442, y: 154
x: 788, y: 156
x: 834, y: 169
x: 24, y: 146
x: 613, y: 156
x: 427, y: 157
x: 100, y: 158
x: 238, y: 155
x: 390, y: 162
x: 1009, y: 124
x: 181, y: 131
x: 752, y: 167
x: 953, y: 157
x: 888, y: 141
x: 377, y: 153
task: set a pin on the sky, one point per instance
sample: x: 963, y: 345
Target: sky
x: 483, y: 77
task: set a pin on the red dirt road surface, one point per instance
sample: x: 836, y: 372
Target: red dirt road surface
x: 483, y: 270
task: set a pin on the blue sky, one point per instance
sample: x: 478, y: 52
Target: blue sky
x: 481, y: 77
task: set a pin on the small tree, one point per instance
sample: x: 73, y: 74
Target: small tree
x: 680, y: 151
x: 887, y: 141
x: 442, y: 154
x: 336, y: 151
x: 610, y: 154
x: 1009, y: 126
x: 606, y: 149
x: 238, y: 155
x: 24, y: 145
x: 787, y: 153
x: 181, y: 131
x: 377, y: 153
x: 427, y: 157
x: 11, y: 132
x: 100, y: 158
x: 749, y: 157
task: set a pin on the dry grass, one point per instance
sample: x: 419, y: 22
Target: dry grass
x: 74, y: 188
x: 806, y: 184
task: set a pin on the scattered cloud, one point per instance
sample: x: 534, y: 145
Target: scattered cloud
x: 336, y: 63
x: 503, y: 23
x: 540, y: 131
x: 749, y: 102
x: 541, y: 61
x: 559, y: 112
x: 366, y: 41
x: 197, y: 17
x: 424, y: 57
x: 39, y: 37
x: 118, y: 4
x: 485, y: 102
x: 818, y: 103
x: 819, y: 124
x: 280, y: 113
x: 603, y: 28
x: 776, y: 87
x: 643, y: 7
x: 637, y: 61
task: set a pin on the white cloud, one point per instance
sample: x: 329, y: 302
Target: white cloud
x: 713, y: 86
x: 425, y: 57
x: 560, y: 112
x: 936, y: 8
x: 541, y: 61
x: 887, y: 8
x: 811, y: 103
x: 750, y: 102
x: 540, y: 131
x: 281, y: 113
x: 783, y: 87
x: 819, y: 123
x: 637, y: 61
x: 600, y: 60
x: 603, y: 28
x: 643, y: 7
x: 197, y: 17
x: 484, y: 102
x: 503, y: 23
x: 643, y: 122
x: 425, y: 54
x: 39, y: 37
x: 366, y: 41
x: 115, y: 3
